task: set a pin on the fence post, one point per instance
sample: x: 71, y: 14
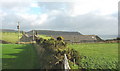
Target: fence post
x: 66, y: 64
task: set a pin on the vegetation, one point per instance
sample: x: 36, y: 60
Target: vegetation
x: 9, y: 36
x: 44, y: 37
x: 97, y: 55
x: 12, y: 37
x: 52, y: 54
x: 19, y: 56
x: 60, y: 38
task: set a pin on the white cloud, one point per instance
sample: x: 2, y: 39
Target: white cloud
x: 30, y: 17
x: 90, y: 16
x: 34, y: 4
x: 2, y: 13
x: 41, y: 19
x: 101, y: 7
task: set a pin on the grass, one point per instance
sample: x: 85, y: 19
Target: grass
x: 13, y: 37
x: 97, y: 55
x: 19, y: 56
x: 44, y: 36
x: 9, y: 37
x: 0, y: 57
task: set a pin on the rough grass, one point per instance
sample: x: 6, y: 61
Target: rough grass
x: 19, y: 56
x: 44, y: 36
x: 13, y: 37
x: 97, y: 55
x: 0, y: 57
x: 9, y: 37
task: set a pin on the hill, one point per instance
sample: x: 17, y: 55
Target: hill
x: 45, y: 32
x: 49, y: 32
x: 11, y: 37
x: 7, y: 30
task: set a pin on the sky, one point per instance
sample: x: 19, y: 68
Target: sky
x: 89, y: 17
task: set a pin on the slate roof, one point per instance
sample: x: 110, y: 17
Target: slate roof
x: 50, y: 32
x: 79, y: 38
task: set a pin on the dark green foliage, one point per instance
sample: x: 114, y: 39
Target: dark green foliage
x: 60, y: 38
x: 75, y: 55
x: 51, y: 38
x: 118, y: 38
x: 39, y: 40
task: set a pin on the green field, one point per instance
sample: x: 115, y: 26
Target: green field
x: 13, y: 37
x: 97, y: 55
x: 9, y: 37
x: 93, y: 55
x: 19, y: 56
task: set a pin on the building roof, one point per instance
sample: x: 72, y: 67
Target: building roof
x: 50, y: 32
x: 78, y: 38
x: 28, y: 35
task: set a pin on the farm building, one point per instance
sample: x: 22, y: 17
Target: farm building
x: 79, y: 38
x: 70, y: 37
x: 28, y: 38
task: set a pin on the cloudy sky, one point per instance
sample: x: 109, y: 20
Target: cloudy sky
x: 99, y: 17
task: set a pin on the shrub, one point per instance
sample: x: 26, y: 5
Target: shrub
x: 54, y: 53
x: 39, y: 40
x: 51, y: 38
x: 60, y: 38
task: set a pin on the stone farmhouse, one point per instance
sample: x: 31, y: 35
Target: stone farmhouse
x: 28, y: 38
x: 69, y: 37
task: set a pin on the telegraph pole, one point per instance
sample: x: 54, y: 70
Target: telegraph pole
x: 18, y: 27
x: 33, y: 36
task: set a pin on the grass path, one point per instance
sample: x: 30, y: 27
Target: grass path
x: 18, y: 56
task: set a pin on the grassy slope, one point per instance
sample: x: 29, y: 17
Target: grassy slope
x: 97, y: 55
x: 13, y: 37
x: 18, y: 56
x: 9, y: 37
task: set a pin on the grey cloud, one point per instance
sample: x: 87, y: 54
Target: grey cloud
x: 13, y: 3
x: 87, y: 24
x: 10, y: 22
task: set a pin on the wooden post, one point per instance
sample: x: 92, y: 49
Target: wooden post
x: 33, y: 36
x: 18, y: 27
x: 74, y: 61
x: 66, y: 64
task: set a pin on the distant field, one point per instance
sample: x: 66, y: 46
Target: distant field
x: 97, y: 55
x: 13, y: 37
x: 9, y: 37
x: 18, y: 56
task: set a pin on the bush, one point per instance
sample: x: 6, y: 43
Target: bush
x: 60, y: 38
x: 39, y: 40
x: 51, y: 38
x: 54, y: 53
